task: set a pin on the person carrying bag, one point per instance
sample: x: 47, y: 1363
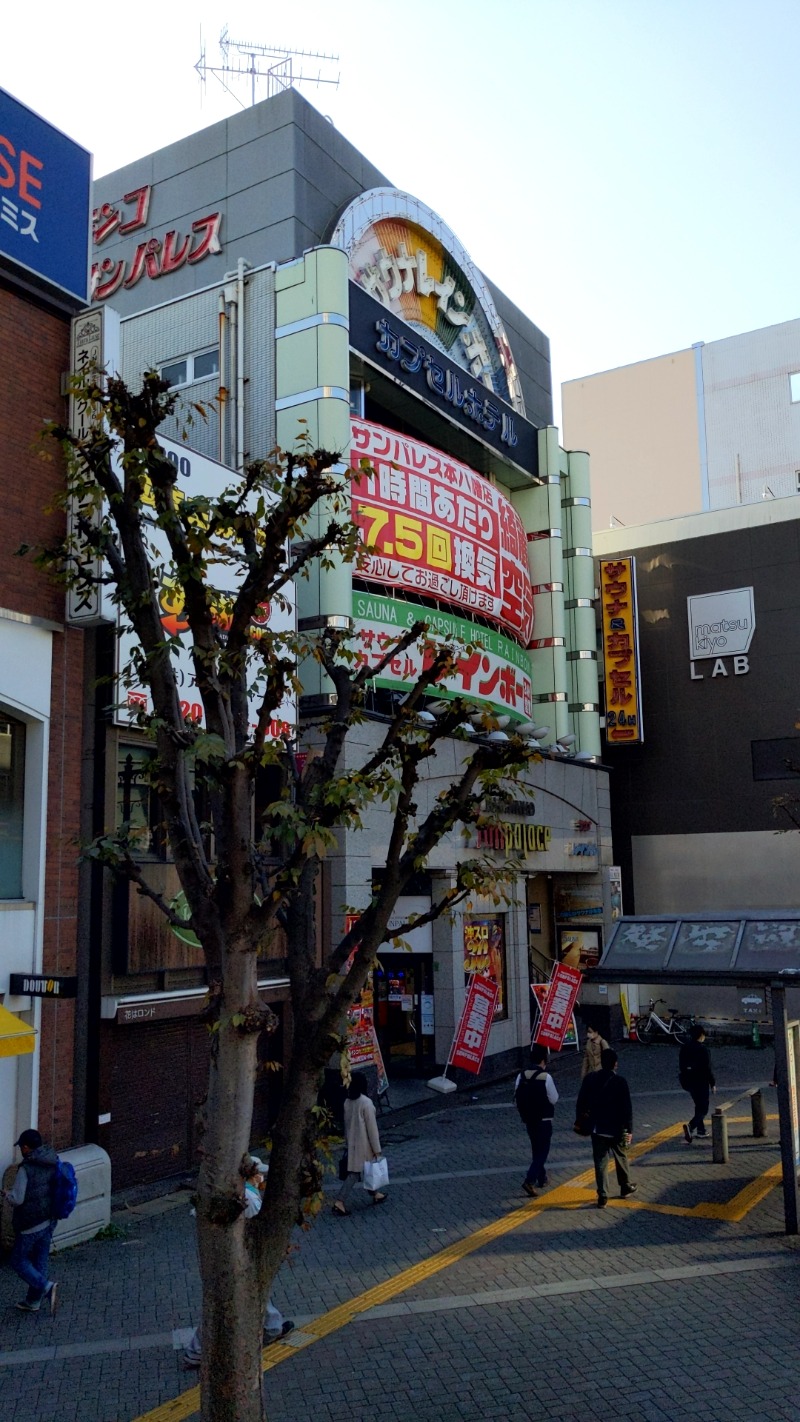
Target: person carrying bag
x: 363, y: 1144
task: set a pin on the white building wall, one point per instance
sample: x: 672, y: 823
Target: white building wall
x: 752, y: 426
x: 25, y: 672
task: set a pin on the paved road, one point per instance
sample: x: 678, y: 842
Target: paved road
x: 459, y: 1299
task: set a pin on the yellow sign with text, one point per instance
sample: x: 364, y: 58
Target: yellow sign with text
x: 621, y: 651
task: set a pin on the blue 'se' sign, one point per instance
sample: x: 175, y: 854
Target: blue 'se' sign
x: 44, y: 198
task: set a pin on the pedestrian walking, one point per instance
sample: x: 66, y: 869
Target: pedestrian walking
x: 362, y: 1140
x: 604, y: 1108
x: 535, y: 1097
x: 595, y: 1044
x: 275, y: 1326
x: 33, y: 1222
x: 696, y: 1077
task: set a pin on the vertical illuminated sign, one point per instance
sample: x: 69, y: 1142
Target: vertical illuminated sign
x: 621, y: 651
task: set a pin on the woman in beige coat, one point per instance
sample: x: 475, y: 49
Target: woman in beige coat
x: 363, y: 1141
x: 595, y: 1044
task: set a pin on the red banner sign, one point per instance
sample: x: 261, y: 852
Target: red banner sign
x: 469, y: 1043
x: 439, y: 529
x: 556, y: 1015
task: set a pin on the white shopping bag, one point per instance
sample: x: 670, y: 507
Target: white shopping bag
x: 376, y: 1173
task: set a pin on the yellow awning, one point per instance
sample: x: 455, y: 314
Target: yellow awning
x: 16, y: 1036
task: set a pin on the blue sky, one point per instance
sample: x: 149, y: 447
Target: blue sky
x: 624, y: 169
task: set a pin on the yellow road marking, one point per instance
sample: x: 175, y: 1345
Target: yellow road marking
x: 575, y: 1194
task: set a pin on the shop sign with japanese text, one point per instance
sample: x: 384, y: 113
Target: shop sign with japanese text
x: 557, y: 1011
x: 44, y: 198
x: 540, y: 991
x: 94, y: 346
x: 485, y: 954
x: 472, y: 1036
x: 437, y: 528
x: 150, y: 256
x: 402, y: 353
x: 363, y: 1048
x: 621, y: 651
x: 198, y: 476
x: 493, y: 669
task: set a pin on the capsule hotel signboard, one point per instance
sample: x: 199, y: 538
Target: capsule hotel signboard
x: 621, y: 651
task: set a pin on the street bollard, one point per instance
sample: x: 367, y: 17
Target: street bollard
x: 759, y: 1111
x: 719, y: 1138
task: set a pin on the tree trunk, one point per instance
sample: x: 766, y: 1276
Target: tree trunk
x: 230, y: 1375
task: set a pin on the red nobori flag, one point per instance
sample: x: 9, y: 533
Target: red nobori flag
x: 470, y: 1040
x: 557, y: 1011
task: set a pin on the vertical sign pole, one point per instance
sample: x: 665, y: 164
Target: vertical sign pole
x: 787, y: 1086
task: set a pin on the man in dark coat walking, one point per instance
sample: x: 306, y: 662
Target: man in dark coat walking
x: 604, y: 1103
x: 696, y: 1077
x: 33, y: 1221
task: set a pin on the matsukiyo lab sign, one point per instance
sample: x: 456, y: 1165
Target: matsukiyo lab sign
x: 721, y: 624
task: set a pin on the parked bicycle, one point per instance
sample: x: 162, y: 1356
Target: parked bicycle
x: 677, y: 1024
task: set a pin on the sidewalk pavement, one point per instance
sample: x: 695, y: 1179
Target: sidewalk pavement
x: 678, y: 1302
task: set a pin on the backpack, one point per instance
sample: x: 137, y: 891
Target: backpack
x: 63, y: 1190
x: 530, y: 1097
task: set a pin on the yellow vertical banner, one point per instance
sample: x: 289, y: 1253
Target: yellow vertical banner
x: 621, y: 651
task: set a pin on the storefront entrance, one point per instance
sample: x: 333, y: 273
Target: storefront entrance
x: 404, y: 1012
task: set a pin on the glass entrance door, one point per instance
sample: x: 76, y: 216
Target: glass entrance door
x: 404, y: 1012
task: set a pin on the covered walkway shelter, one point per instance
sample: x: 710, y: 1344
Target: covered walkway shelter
x: 752, y: 950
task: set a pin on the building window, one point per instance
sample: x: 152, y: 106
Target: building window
x: 797, y: 480
x: 12, y: 803
x: 191, y: 368
x: 138, y: 805
x: 794, y: 386
x: 777, y: 759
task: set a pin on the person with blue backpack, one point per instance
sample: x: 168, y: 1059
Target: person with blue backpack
x: 44, y: 1191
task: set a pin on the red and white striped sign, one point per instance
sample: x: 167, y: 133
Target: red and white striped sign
x: 469, y: 1043
x: 565, y: 985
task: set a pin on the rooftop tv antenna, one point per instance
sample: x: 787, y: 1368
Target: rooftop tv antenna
x: 241, y: 59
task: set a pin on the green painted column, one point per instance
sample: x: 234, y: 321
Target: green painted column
x: 579, y: 604
x: 312, y: 397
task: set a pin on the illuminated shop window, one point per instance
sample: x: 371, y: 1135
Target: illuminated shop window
x: 794, y: 386
x: 191, y: 368
x: 12, y: 798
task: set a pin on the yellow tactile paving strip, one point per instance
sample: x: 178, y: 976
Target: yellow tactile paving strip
x: 577, y: 1192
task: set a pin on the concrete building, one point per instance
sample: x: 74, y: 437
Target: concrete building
x: 266, y: 264
x: 696, y: 823
x: 44, y: 231
x: 707, y: 427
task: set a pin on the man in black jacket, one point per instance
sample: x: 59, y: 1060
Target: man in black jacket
x: 535, y: 1096
x: 33, y: 1221
x: 604, y: 1101
x: 696, y: 1077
